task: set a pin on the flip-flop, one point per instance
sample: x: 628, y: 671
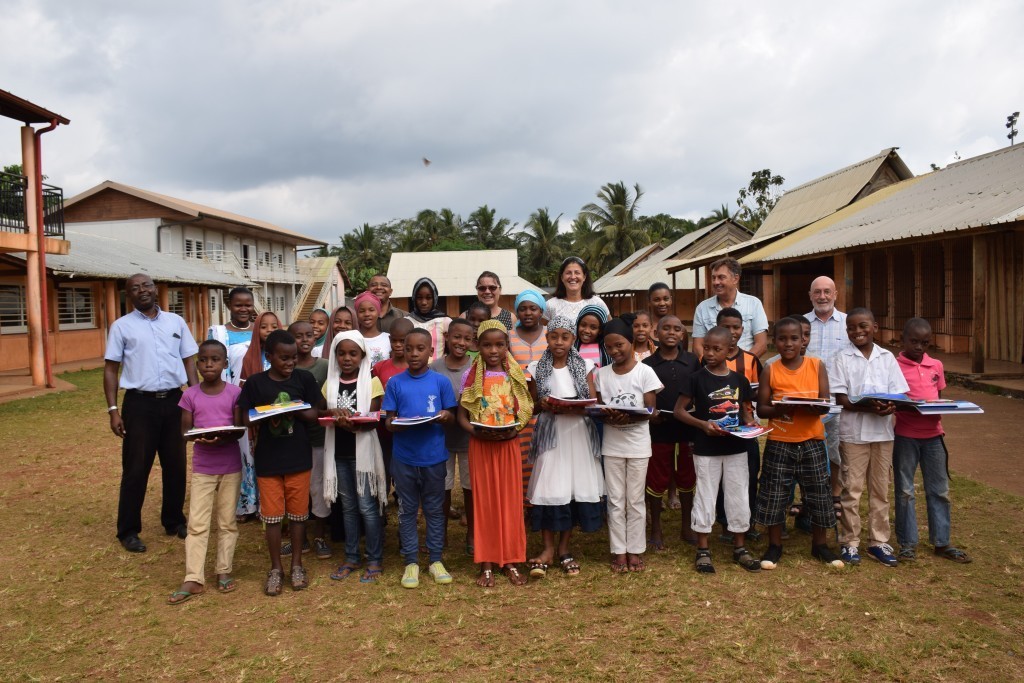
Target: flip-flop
x: 537, y: 569
x: 371, y: 575
x: 226, y: 585
x: 344, y: 571
x: 178, y: 597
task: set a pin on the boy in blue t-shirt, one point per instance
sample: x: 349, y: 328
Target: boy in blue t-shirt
x: 419, y: 457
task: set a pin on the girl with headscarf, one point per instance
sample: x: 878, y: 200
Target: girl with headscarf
x: 342, y: 320
x: 378, y: 344
x: 320, y: 319
x: 590, y: 334
x: 426, y: 315
x: 494, y: 393
x: 353, y: 459
x: 253, y: 362
x: 526, y: 343
x: 567, y: 484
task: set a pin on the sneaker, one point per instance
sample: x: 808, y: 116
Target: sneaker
x: 849, y: 555
x: 439, y: 573
x: 824, y: 553
x: 771, y: 557
x: 743, y: 558
x: 411, y: 578
x: 286, y: 548
x: 907, y: 554
x: 883, y: 553
x: 322, y: 548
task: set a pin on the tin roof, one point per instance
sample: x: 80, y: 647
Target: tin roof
x: 818, y: 198
x: 14, y: 107
x: 455, y: 272
x: 193, y: 209
x: 92, y: 256
x: 976, y: 192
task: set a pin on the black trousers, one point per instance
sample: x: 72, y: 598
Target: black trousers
x: 152, y: 425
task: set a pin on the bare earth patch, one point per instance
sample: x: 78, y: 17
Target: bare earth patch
x: 75, y: 606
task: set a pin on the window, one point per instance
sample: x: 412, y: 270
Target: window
x: 213, y: 303
x: 266, y: 258
x: 75, y: 308
x: 280, y: 259
x: 193, y: 248
x: 13, y: 319
x: 176, y: 302
x: 280, y: 305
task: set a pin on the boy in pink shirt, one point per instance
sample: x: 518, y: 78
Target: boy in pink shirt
x: 919, y: 440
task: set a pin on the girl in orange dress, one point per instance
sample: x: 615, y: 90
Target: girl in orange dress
x: 494, y: 408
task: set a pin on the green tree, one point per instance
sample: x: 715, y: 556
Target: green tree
x: 483, y: 230
x: 621, y: 232
x: 759, y: 197
x: 542, y: 247
x: 667, y: 229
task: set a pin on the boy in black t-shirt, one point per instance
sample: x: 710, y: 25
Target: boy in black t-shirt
x: 283, y: 455
x: 721, y: 399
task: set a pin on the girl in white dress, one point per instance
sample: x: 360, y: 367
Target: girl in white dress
x: 567, y: 485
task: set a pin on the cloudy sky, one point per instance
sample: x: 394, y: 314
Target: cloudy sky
x: 315, y: 115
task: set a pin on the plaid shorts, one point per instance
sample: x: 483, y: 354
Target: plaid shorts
x: 805, y: 462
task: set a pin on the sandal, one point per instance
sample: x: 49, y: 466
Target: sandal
x: 275, y: 577
x: 226, y: 585
x: 372, y: 573
x: 486, y: 578
x: 953, y: 553
x: 344, y: 571
x: 745, y: 559
x: 569, y: 565
x: 513, y: 575
x: 636, y: 563
x: 299, y: 580
x: 837, y: 507
x: 703, y: 562
x: 657, y: 546
x: 178, y: 597
x: 538, y: 569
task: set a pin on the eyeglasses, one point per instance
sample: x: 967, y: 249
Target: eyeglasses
x: 487, y: 288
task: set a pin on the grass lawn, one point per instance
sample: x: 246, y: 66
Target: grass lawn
x: 76, y: 606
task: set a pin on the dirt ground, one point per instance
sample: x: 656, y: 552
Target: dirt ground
x: 986, y: 447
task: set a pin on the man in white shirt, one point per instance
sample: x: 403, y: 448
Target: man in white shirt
x: 725, y: 280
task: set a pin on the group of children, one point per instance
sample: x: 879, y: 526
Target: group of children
x: 573, y: 423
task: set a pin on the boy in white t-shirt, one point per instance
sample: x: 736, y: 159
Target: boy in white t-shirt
x: 626, y: 383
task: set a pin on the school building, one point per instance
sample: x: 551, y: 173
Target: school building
x: 624, y: 288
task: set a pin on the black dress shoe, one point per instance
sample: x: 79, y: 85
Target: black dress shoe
x: 133, y: 544
x: 181, y: 531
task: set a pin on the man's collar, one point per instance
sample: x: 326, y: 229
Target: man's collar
x: 835, y: 315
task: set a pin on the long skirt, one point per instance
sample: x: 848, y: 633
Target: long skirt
x: 496, y: 470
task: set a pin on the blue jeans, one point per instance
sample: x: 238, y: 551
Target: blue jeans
x: 907, y: 453
x: 415, y: 487
x: 359, y: 508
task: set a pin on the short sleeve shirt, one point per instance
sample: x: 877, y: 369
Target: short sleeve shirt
x: 754, y: 320
x: 925, y: 380
x: 419, y: 396
x: 282, y: 442
x: 344, y: 440
x: 718, y: 398
x: 631, y: 440
x: 151, y: 350
x: 675, y: 377
x: 828, y: 338
x: 855, y: 375
x: 455, y: 437
x: 213, y: 410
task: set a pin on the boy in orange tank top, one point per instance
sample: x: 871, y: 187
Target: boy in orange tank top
x: 796, y: 446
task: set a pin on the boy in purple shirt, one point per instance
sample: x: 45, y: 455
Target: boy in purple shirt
x: 919, y: 440
x: 216, y: 472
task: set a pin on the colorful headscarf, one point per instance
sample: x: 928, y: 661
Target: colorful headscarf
x: 545, y: 437
x: 531, y: 295
x: 434, y: 311
x: 323, y: 337
x: 368, y: 296
x: 602, y: 316
x: 473, y: 393
x: 329, y: 334
x: 370, y: 474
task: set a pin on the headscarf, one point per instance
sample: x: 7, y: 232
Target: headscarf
x: 434, y: 312
x: 473, y: 393
x: 252, y: 362
x: 368, y: 296
x: 545, y: 437
x: 533, y: 296
x: 323, y: 337
x: 370, y: 474
x: 602, y: 316
x: 329, y: 334
x: 620, y: 327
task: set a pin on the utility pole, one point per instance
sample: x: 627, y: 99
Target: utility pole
x: 1011, y: 123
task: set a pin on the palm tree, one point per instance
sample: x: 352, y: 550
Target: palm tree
x: 543, y: 246
x: 722, y: 213
x: 484, y: 232
x: 621, y: 229
x: 583, y: 235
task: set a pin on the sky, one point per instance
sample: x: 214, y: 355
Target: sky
x: 316, y: 115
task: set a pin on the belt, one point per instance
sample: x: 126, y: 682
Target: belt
x: 156, y: 394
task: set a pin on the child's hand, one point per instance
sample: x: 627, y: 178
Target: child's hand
x: 712, y: 429
x: 614, y: 417
x: 445, y: 417
x: 545, y: 405
x: 816, y: 410
x: 884, y: 408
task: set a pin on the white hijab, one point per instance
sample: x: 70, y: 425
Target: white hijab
x: 369, y: 457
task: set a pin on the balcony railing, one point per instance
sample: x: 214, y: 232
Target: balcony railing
x: 12, y: 206
x: 249, y: 269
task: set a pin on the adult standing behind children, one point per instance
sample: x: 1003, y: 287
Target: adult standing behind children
x: 155, y: 352
x: 381, y: 286
x: 573, y: 291
x: 725, y: 280
x: 488, y: 292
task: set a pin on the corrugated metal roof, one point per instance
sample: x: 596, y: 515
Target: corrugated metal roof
x: 983, y: 190
x: 92, y: 256
x: 192, y: 209
x: 455, y: 272
x: 631, y: 260
x: 731, y: 250
x: 818, y: 198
